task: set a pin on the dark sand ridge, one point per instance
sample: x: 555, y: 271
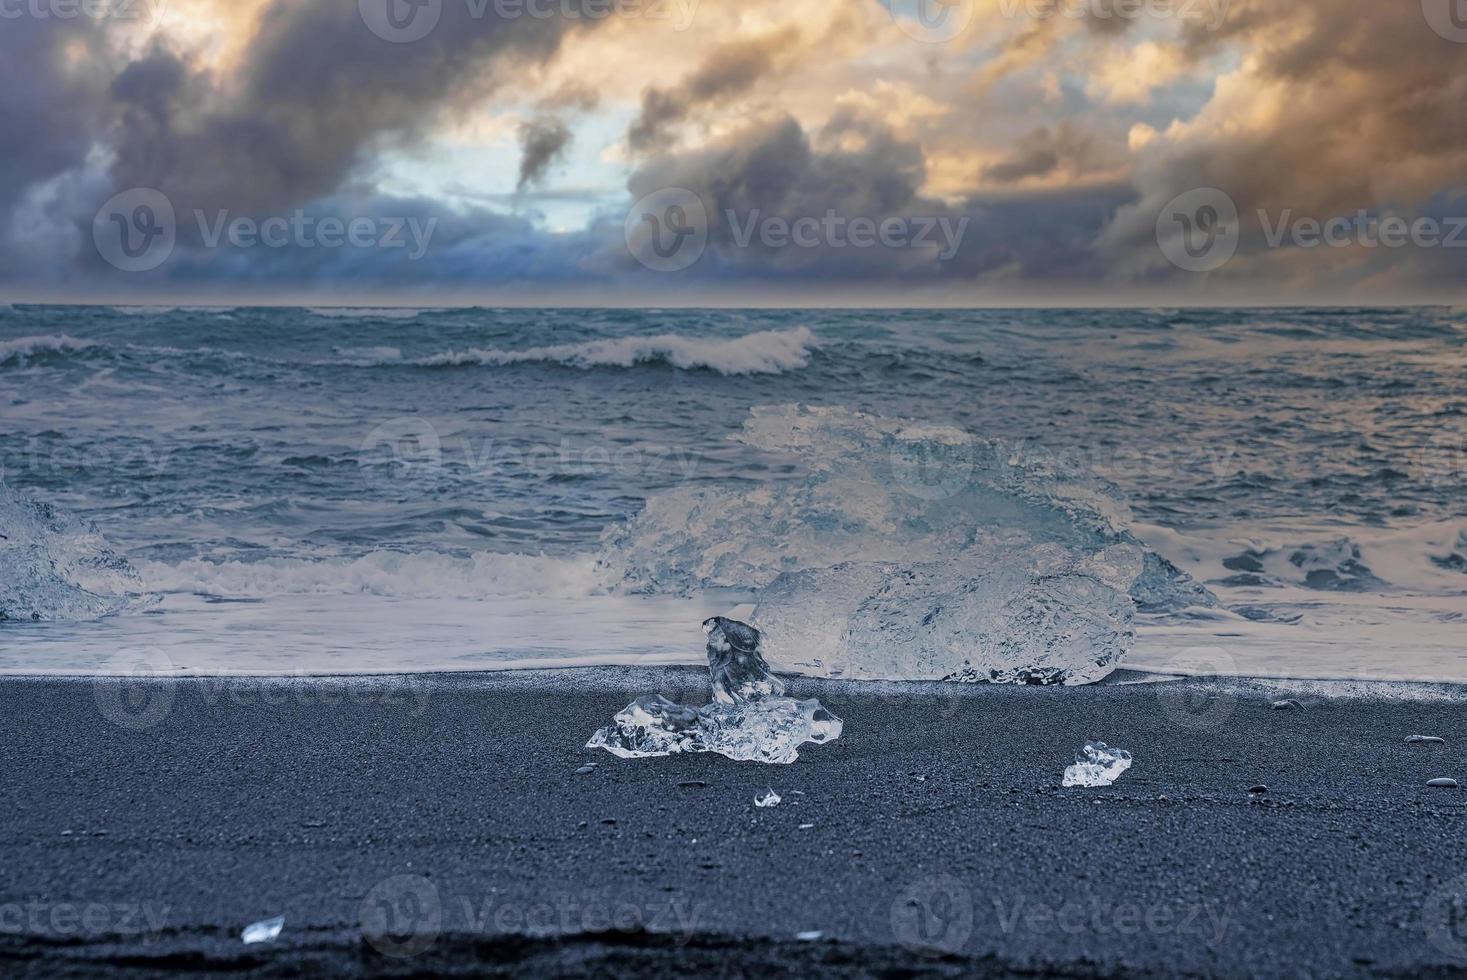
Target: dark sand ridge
x: 938, y: 827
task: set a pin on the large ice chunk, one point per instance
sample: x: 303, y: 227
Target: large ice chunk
x: 54, y: 566
x: 1028, y: 615
x: 877, y: 490
x: 750, y: 720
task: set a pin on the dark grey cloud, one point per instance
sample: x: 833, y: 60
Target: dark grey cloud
x: 543, y: 140
x: 1341, y: 121
x: 319, y: 95
x: 1043, y: 151
x: 857, y: 167
x: 731, y: 69
x: 48, y: 110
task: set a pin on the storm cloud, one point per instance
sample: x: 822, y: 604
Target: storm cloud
x: 1055, y: 143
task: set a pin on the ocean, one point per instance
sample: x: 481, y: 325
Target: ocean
x: 369, y: 490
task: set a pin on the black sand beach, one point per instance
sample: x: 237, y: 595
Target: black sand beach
x: 146, y: 823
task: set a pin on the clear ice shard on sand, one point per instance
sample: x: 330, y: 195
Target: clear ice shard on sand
x: 263, y: 931
x: 750, y: 719
x: 56, y: 567
x: 1097, y: 764
x: 878, y: 490
x: 1036, y: 614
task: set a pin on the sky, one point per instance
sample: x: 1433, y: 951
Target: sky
x: 734, y: 152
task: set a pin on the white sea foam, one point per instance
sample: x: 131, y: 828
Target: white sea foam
x: 417, y: 575
x: 370, y: 356
x: 764, y: 352
x: 21, y: 350
x: 144, y: 310
x: 1428, y: 559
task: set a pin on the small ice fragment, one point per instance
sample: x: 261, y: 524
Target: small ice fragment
x: 805, y: 826
x: 1429, y: 739
x: 1442, y: 783
x: 809, y: 936
x: 770, y: 798
x: 1286, y: 704
x: 1097, y: 765
x: 264, y: 931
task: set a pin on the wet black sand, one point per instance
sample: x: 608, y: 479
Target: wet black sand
x: 145, y: 823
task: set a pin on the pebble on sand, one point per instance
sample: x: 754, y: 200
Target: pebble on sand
x: 1286, y: 704
x: 1258, y: 790
x: 1442, y: 783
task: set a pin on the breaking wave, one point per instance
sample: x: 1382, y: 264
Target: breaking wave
x: 764, y: 352
x: 21, y: 351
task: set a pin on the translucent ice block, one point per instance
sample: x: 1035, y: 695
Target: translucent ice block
x: 736, y: 662
x: 877, y: 490
x: 1097, y: 764
x: 54, y: 566
x: 749, y: 720
x: 1028, y: 615
x: 770, y: 730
